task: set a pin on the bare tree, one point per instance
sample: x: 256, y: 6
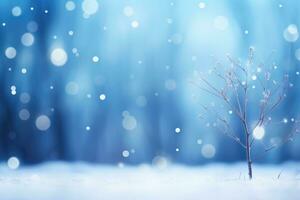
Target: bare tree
x: 241, y: 88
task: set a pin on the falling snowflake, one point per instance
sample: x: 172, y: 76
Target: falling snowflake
x: 59, y: 57
x: 42, y: 123
x: 177, y: 130
x: 102, y: 97
x: 13, y: 163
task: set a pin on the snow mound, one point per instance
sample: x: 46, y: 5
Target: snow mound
x: 83, y: 181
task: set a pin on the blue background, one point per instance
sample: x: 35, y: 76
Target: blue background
x: 144, y: 71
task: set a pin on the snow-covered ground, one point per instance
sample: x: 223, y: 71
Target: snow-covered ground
x: 62, y: 181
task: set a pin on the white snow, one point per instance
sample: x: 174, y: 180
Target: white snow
x: 95, y: 59
x: 208, y: 151
x: 259, y: 132
x: 25, y: 97
x: 16, y: 11
x: 102, y: 97
x: 13, y: 89
x: 125, y: 153
x: 10, y: 52
x: 27, y: 39
x: 129, y: 122
x: 201, y: 5
x: 177, y: 130
x: 135, y: 24
x: 291, y: 34
x: 24, y: 114
x: 23, y: 70
x: 70, y: 5
x: 42, y: 122
x: 90, y: 7
x: 59, y: 57
x: 82, y: 181
x: 128, y: 11
x: 13, y: 163
x: 72, y: 88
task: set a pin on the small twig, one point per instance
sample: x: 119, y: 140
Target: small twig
x: 278, y: 176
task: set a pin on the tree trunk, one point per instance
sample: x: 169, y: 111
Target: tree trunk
x: 248, y: 156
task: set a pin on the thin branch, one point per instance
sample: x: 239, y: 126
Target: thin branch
x: 287, y: 139
x: 228, y: 132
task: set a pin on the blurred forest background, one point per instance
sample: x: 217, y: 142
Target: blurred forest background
x: 108, y: 81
